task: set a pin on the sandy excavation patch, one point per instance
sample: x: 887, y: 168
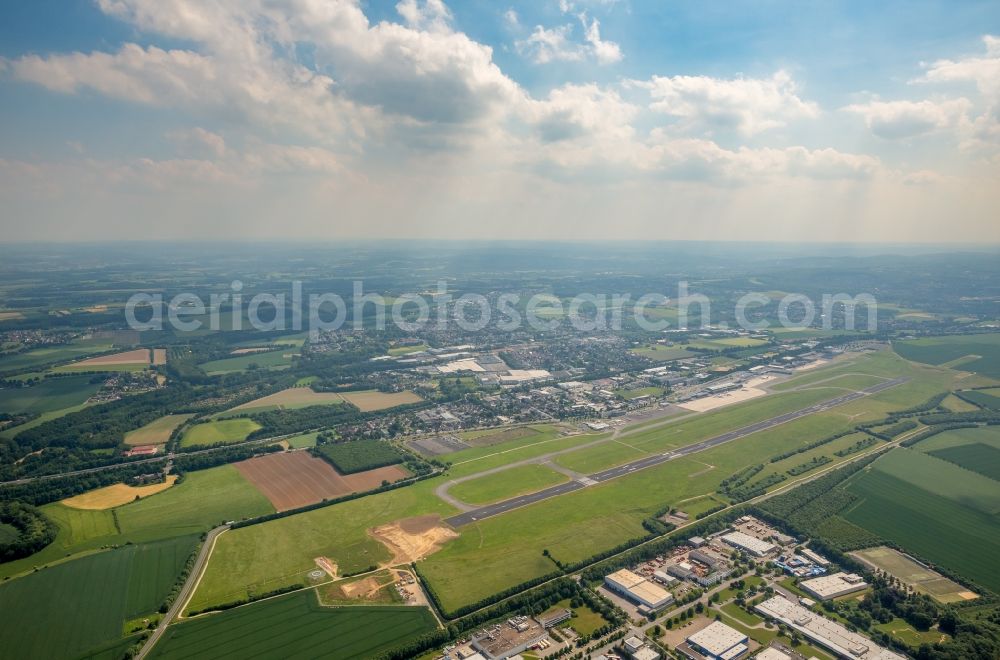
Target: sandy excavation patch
x: 327, y: 565
x: 412, y: 539
x: 361, y: 588
x: 116, y: 495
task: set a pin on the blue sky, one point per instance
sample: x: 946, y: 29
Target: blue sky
x: 853, y: 121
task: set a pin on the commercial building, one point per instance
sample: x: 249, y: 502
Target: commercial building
x: 832, y: 586
x: 637, y: 649
x: 555, y: 617
x: 815, y: 557
x: 719, y: 642
x: 638, y: 589
x: 505, y: 640
x: 771, y: 653
x: 707, y: 559
x: 750, y: 544
x: 828, y: 634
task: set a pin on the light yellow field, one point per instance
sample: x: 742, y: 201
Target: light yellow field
x: 11, y: 316
x: 293, y: 397
x: 156, y: 432
x: 138, y: 356
x: 374, y: 400
x: 159, y: 356
x: 116, y: 495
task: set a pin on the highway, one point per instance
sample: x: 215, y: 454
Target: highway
x: 650, y: 461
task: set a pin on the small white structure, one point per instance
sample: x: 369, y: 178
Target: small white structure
x: 753, y: 545
x: 719, y: 642
x: 832, y: 586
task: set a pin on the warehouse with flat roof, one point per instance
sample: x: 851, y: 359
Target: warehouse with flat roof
x: 719, y: 642
x: 833, y: 586
x: 753, y: 545
x: 823, y: 631
x: 638, y: 589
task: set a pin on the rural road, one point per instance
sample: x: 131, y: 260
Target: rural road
x: 194, y: 576
x: 489, y: 510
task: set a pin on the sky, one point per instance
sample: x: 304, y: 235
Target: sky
x: 545, y: 119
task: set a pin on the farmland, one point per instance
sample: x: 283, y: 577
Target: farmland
x: 156, y: 432
x: 293, y: 479
x: 293, y: 397
x: 509, y: 483
x: 49, y: 395
x: 978, y: 457
x: 116, y: 495
x: 135, y: 360
x: 369, y: 400
x: 661, y: 353
x: 279, y: 359
x: 983, y: 352
x: 934, y: 526
x: 82, y: 604
x: 360, y: 455
x: 219, y: 431
x: 913, y: 574
x: 295, y: 626
x: 40, y: 357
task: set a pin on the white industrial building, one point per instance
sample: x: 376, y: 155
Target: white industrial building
x: 638, y: 589
x: 833, y: 586
x: 719, y: 642
x: 771, y: 653
x: 751, y: 544
x: 823, y: 631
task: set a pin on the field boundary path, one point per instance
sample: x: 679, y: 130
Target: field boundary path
x: 187, y: 590
x: 473, y: 515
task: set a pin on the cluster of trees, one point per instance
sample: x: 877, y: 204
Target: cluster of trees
x: 203, y: 461
x: 890, y: 432
x: 43, y: 491
x: 35, y: 531
x: 862, y: 444
x: 738, y: 488
x: 359, y: 455
x: 810, y: 446
x: 809, y: 465
x: 934, y: 430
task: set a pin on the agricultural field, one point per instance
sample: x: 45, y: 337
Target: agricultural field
x: 488, y: 437
x: 726, y: 343
x: 929, y: 519
x: 116, y: 495
x: 509, y: 483
x: 369, y: 400
x: 642, y: 391
x: 295, y: 626
x: 49, y: 395
x: 278, y: 359
x: 156, y: 432
x: 291, y: 398
x: 982, y: 351
x: 219, y: 431
x: 360, y: 455
x: 201, y: 501
x: 40, y: 357
x: 82, y: 604
x: 134, y: 360
x: 406, y: 350
x: 983, y: 398
x: 297, y: 478
x: 978, y: 457
x: 914, y: 575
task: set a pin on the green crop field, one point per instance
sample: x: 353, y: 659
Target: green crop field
x: 49, y: 395
x: 988, y: 435
x: 204, y: 499
x: 295, y: 626
x: 509, y: 483
x: 360, y: 455
x: 939, y: 350
x: 156, y: 432
x: 224, y: 431
x: 279, y: 359
x: 936, y: 529
x: 982, y: 399
x: 42, y: 356
x: 66, y: 610
x: 943, y: 479
x: 280, y: 552
x: 978, y: 457
x: 641, y: 391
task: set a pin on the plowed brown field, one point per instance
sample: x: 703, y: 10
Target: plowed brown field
x: 297, y: 478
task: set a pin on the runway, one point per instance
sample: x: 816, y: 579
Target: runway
x: 650, y: 461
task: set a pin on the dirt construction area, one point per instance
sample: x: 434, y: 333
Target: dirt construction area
x: 297, y: 478
x: 116, y: 495
x: 370, y: 400
x: 412, y: 539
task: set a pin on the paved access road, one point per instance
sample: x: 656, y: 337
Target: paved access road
x: 194, y: 577
x: 643, y: 463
